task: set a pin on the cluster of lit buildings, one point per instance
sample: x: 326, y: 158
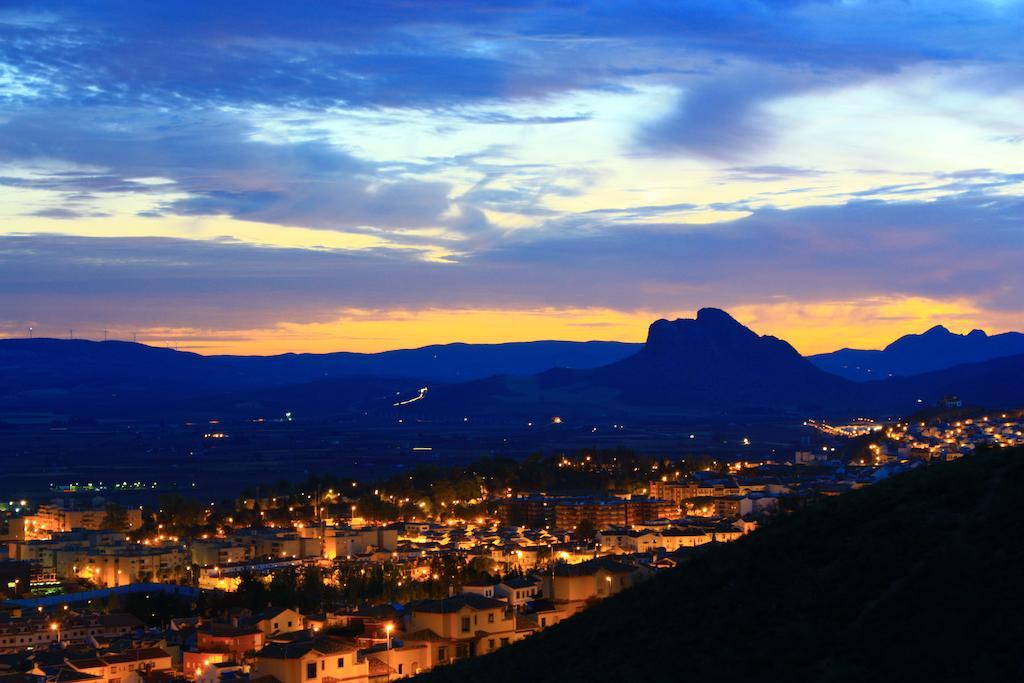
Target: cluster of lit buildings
x: 65, y: 514
x: 568, y: 512
x: 34, y: 630
x: 548, y: 569
x: 859, y: 427
x: 948, y: 439
x: 282, y: 645
x: 104, y: 558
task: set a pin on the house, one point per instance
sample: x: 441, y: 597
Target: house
x: 518, y: 592
x: 80, y: 630
x: 125, y: 667
x: 571, y: 586
x: 277, y: 620
x: 218, y: 672
x: 461, y: 626
x: 484, y: 589
x: 758, y: 504
x: 347, y: 542
x: 689, y: 537
x: 398, y: 661
x: 62, y: 674
x: 19, y: 634
x: 544, y: 613
x: 312, y: 659
x: 728, y: 505
x: 623, y: 541
x: 324, y: 621
x: 218, y: 643
x: 216, y: 552
x: 238, y: 641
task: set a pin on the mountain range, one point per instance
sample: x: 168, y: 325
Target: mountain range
x: 713, y: 364
x: 913, y: 354
x: 75, y: 375
x: 710, y: 363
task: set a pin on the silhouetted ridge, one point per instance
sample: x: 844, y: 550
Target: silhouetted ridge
x: 111, y: 377
x: 710, y: 326
x: 713, y: 364
x: 715, y: 360
x: 719, y: 318
x: 912, y: 354
x: 707, y: 364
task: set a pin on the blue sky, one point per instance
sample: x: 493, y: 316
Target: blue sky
x: 271, y: 176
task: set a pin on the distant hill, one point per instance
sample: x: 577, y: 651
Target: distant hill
x: 72, y: 375
x: 445, y: 363
x: 936, y: 349
x: 996, y: 383
x: 914, y: 578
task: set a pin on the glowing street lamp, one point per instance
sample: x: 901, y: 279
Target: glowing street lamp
x: 388, y: 628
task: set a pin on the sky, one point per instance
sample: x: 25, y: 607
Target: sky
x: 263, y: 177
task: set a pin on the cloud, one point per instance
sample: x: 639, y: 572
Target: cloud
x: 721, y: 118
x: 142, y: 86
x: 437, y: 54
x: 960, y: 246
x: 770, y: 172
x: 963, y: 248
x: 66, y: 214
x: 216, y: 166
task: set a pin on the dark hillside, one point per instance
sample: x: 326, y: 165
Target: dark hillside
x: 916, y: 578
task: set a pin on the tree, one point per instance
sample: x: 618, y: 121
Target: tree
x: 283, y: 590
x: 180, y: 514
x: 251, y: 592
x: 586, y: 530
x: 311, y: 589
x: 115, y: 518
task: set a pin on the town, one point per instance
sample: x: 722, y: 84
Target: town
x: 343, y: 580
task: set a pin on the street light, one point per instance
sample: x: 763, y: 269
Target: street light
x: 388, y: 628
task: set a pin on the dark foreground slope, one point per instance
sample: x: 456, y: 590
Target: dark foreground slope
x: 916, y: 578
